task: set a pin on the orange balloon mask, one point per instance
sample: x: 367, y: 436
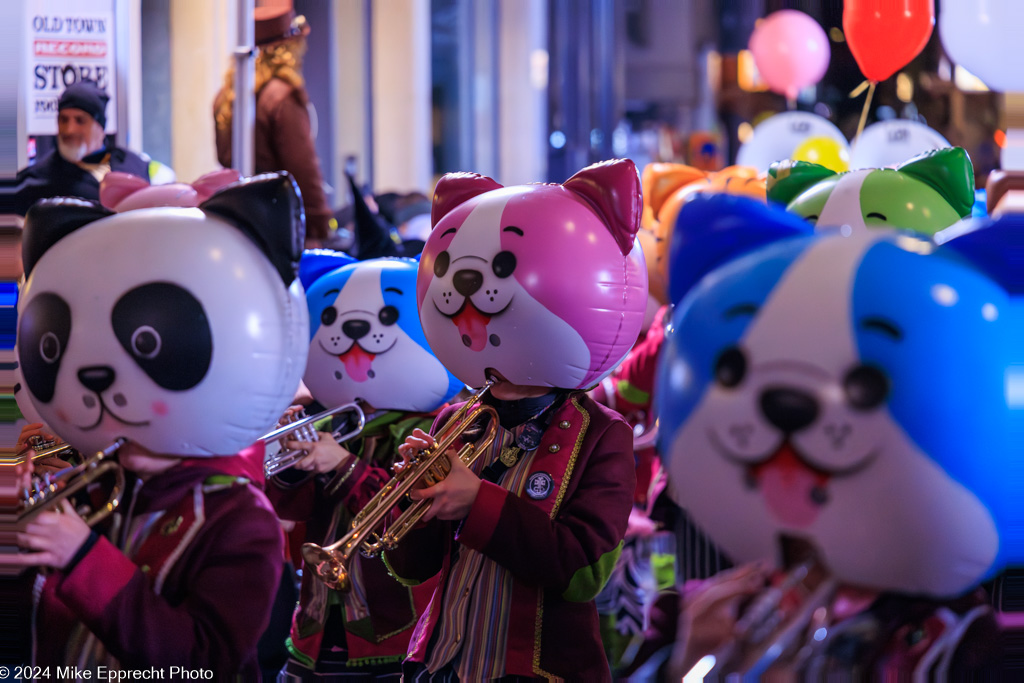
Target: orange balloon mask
x: 667, y: 187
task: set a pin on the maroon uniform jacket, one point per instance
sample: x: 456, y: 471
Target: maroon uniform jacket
x: 195, y: 591
x: 559, y: 547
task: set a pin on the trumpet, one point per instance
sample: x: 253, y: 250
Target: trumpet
x: 43, y: 448
x: 302, y: 427
x: 331, y: 563
x: 770, y: 637
x: 48, y: 491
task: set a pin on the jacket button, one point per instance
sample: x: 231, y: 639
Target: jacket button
x: 564, y: 424
x: 554, y: 448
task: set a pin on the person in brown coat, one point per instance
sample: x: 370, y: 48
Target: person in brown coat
x: 284, y: 141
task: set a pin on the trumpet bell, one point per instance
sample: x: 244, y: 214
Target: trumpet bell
x: 327, y: 566
x: 48, y: 491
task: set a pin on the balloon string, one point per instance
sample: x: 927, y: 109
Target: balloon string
x: 864, y: 112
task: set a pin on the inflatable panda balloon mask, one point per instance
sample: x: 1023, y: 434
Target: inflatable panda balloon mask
x: 854, y: 392
x: 183, y: 330
x: 545, y: 284
x: 366, y: 339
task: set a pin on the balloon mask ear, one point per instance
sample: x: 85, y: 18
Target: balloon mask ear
x: 613, y: 190
x: 50, y: 220
x: 268, y: 209
x: 712, y: 229
x: 660, y: 180
x: 995, y: 247
x: 454, y: 189
x: 949, y: 172
x: 317, y: 262
x: 788, y: 179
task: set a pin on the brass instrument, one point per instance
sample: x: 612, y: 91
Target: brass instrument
x: 275, y: 463
x: 43, y: 448
x: 331, y: 563
x: 769, y: 637
x: 47, y: 491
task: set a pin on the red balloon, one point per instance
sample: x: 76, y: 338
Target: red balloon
x: 884, y: 35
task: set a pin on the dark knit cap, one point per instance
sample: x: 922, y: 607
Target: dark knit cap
x: 87, y: 96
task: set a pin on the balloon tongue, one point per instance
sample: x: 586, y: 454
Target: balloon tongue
x: 792, y: 490
x: 357, y: 362
x: 472, y: 326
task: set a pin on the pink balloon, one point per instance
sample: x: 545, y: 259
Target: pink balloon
x: 791, y: 51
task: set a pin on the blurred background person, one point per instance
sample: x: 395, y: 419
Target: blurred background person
x: 284, y: 138
x: 82, y: 157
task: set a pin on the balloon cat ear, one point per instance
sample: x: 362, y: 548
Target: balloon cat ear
x: 454, y: 189
x: 268, y: 209
x: 50, y: 220
x: 318, y: 262
x: 613, y: 189
x: 947, y: 171
x: 714, y: 228
x: 660, y: 180
x: 994, y: 246
x: 788, y: 179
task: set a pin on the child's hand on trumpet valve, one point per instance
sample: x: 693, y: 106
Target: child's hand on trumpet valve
x: 39, y: 431
x: 325, y: 455
x: 54, y: 538
x: 454, y: 495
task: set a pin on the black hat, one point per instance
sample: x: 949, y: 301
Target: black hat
x: 87, y: 96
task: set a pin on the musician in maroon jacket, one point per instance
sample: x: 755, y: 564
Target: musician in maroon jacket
x: 188, y: 358
x: 541, y: 289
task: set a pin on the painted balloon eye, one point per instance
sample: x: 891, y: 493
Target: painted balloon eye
x: 49, y: 347
x: 504, y: 264
x: 146, y: 342
x: 329, y: 315
x: 879, y: 216
x: 441, y: 264
x: 866, y: 387
x: 731, y: 367
x: 388, y: 315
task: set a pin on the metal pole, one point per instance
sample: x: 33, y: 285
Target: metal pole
x: 243, y: 118
x: 368, y: 166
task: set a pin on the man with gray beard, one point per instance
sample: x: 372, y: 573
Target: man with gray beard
x: 82, y: 157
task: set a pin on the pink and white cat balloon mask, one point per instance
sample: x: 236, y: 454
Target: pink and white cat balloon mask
x: 545, y: 284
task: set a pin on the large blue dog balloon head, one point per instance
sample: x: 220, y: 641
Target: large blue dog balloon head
x: 859, y: 390
x: 365, y: 336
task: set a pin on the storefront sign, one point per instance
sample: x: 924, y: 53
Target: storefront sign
x: 68, y: 40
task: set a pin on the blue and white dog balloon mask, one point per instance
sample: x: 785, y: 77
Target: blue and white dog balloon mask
x: 366, y: 341
x: 860, y: 391
x: 182, y: 329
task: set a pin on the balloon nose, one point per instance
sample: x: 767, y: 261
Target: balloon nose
x: 97, y: 378
x: 355, y: 329
x: 789, y: 409
x: 467, y: 282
